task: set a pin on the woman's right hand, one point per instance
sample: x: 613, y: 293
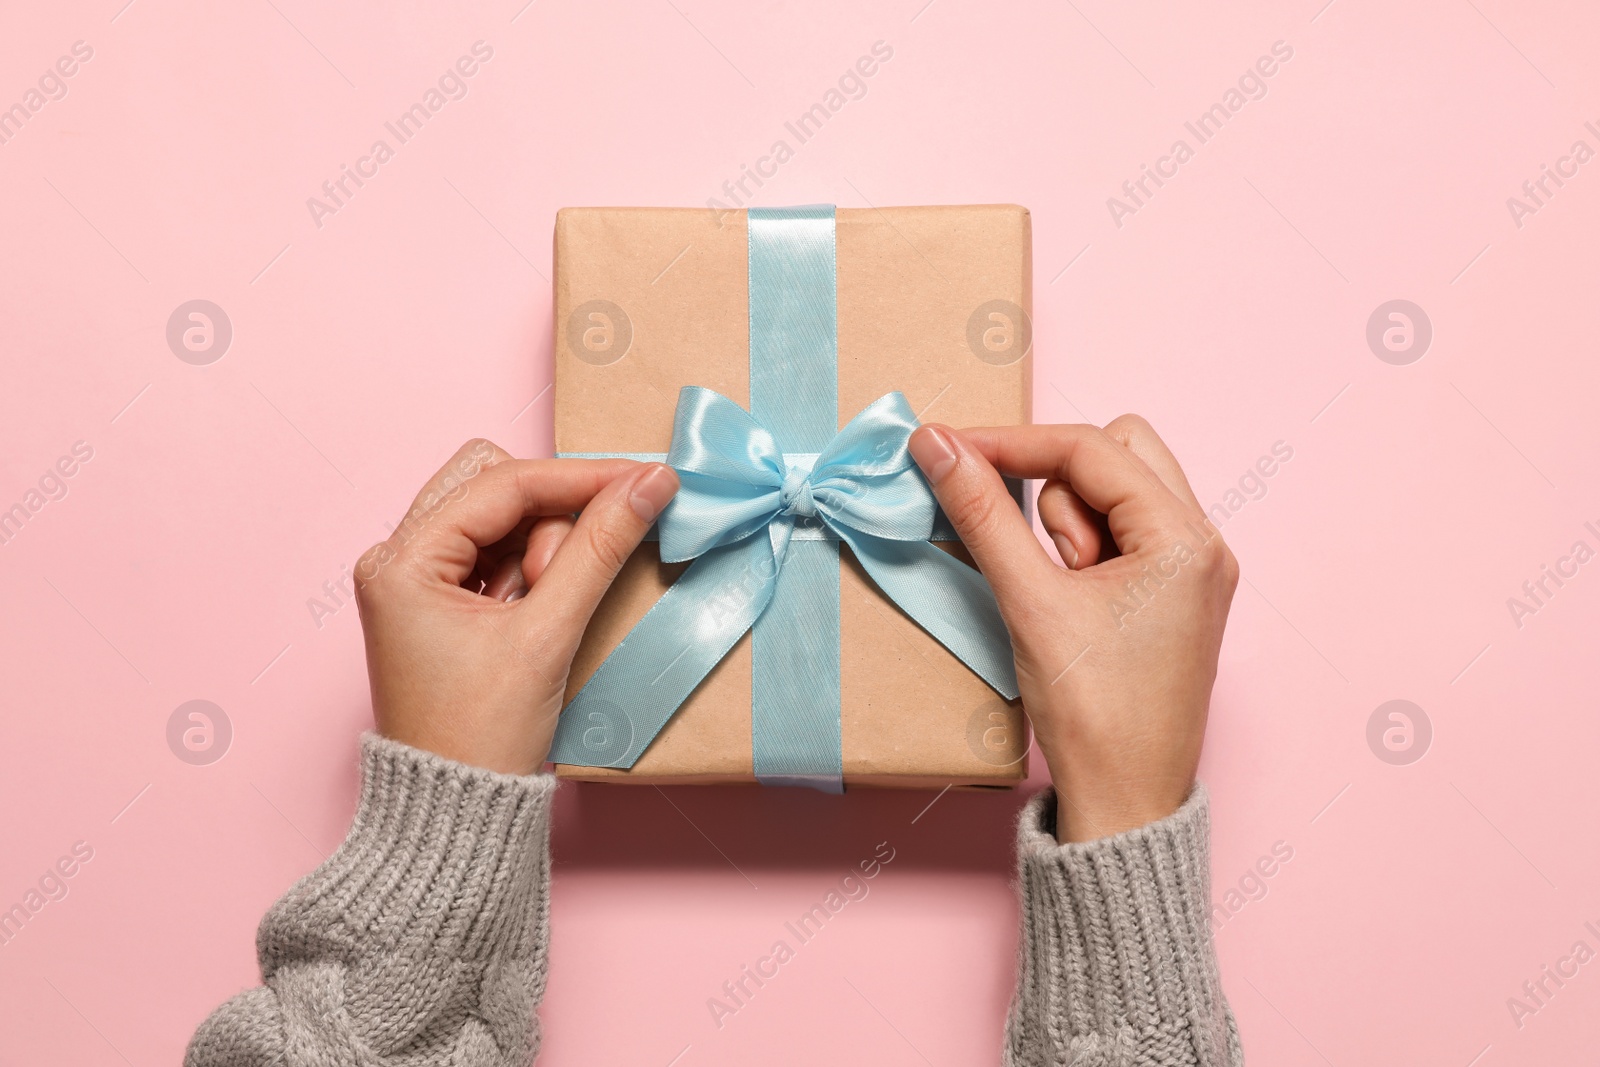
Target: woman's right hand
x: 1116, y: 651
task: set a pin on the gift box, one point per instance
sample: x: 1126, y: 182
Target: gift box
x: 667, y: 317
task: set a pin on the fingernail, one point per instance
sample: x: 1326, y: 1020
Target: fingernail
x: 652, y: 491
x: 934, y: 453
x: 1069, y: 554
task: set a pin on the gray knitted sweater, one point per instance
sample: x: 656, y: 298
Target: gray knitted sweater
x: 423, y: 939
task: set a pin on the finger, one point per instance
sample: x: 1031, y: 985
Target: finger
x: 982, y: 511
x: 1110, y: 479
x: 600, y: 542
x: 474, y: 456
x: 505, y: 582
x: 547, y: 535
x: 1073, y: 526
x: 1140, y: 438
x: 490, y: 557
x: 446, y: 538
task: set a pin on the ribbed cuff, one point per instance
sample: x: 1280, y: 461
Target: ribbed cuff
x: 444, y: 862
x: 1117, y: 965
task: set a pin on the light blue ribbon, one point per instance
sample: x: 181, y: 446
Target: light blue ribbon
x: 795, y: 720
x: 764, y: 501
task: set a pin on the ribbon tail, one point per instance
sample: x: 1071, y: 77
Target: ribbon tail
x: 944, y: 596
x: 621, y: 709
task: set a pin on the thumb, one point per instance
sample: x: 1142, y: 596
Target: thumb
x: 589, y: 558
x: 974, y: 496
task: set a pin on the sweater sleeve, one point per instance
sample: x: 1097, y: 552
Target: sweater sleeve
x: 1116, y: 966
x: 421, y: 940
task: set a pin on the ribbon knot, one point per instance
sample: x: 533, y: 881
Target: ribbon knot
x: 796, y: 493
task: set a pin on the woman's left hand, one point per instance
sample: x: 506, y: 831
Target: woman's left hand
x: 473, y: 608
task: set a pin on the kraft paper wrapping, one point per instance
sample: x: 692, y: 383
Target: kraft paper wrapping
x: 934, y: 302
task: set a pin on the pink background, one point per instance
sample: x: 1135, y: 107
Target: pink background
x: 1230, y: 309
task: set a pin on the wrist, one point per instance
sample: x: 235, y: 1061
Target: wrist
x: 471, y: 745
x: 1078, y: 822
x: 1091, y: 806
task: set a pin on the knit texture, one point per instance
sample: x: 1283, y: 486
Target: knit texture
x: 1116, y: 967
x: 422, y: 940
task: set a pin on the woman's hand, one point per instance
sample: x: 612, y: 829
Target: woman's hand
x: 473, y: 608
x: 1116, y: 652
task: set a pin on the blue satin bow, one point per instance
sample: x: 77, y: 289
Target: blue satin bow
x: 741, y: 505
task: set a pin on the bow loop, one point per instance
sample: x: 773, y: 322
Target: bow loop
x: 730, y: 473
x: 735, y: 481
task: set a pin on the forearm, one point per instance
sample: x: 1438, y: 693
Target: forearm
x: 421, y: 940
x: 1116, y: 966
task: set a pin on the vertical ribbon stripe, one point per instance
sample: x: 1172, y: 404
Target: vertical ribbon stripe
x: 794, y: 391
